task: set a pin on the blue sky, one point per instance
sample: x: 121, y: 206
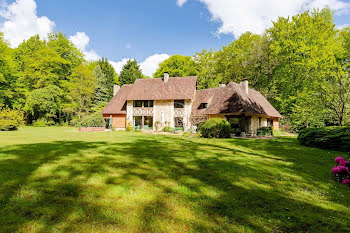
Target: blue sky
x: 153, y: 29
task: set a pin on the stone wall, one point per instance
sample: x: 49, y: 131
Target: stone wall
x: 163, y: 112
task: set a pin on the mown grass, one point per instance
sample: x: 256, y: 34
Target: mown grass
x: 58, y: 180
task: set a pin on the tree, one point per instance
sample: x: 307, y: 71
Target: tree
x: 110, y: 76
x: 130, y: 72
x: 7, y: 75
x: 82, y: 88
x: 304, y: 50
x: 205, y: 62
x: 44, y: 103
x: 102, y: 91
x: 177, y: 66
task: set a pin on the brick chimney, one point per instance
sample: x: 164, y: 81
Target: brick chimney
x: 116, y: 88
x: 244, y: 84
x: 166, y: 77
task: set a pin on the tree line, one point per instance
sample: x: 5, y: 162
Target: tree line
x: 301, y: 64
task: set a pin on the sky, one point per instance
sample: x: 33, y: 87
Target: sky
x: 150, y: 31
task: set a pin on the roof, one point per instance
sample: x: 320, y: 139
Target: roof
x: 157, y: 89
x: 232, y: 99
x: 117, y: 103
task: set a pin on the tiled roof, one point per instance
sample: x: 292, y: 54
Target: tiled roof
x: 157, y: 89
x: 232, y: 99
x: 116, y: 105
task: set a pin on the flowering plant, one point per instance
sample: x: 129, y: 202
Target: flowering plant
x: 341, y: 171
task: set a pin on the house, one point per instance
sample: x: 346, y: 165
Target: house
x: 176, y: 102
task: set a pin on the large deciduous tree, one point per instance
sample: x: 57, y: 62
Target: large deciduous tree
x: 177, y: 66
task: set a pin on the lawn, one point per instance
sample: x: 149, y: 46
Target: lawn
x: 59, y: 180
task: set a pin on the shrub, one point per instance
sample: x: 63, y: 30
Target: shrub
x: 333, y: 137
x: 341, y: 171
x: 43, y: 122
x: 216, y: 128
x: 129, y: 127
x: 167, y: 129
x: 10, y: 119
x: 92, y: 120
x: 264, y: 131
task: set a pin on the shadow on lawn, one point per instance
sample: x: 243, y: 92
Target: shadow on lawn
x: 218, y: 189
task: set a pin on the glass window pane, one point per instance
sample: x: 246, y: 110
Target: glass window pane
x: 148, y: 121
x: 145, y: 103
x: 179, y: 103
x: 150, y: 103
x: 138, y: 103
x: 137, y: 121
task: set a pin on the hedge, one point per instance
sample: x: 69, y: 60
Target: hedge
x: 216, y: 128
x: 334, y: 137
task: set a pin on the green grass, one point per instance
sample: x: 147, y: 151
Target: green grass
x: 59, y: 180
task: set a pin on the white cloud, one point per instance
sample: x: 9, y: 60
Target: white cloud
x: 340, y: 27
x: 150, y: 64
x: 20, y: 22
x: 81, y: 41
x: 237, y: 16
x: 181, y: 2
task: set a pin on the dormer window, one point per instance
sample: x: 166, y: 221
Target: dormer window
x: 203, y: 106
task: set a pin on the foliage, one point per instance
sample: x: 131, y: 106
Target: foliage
x: 82, y: 88
x: 167, y: 129
x: 129, y: 126
x: 332, y: 137
x: 43, y: 122
x: 264, y: 131
x: 43, y: 103
x: 90, y: 120
x: 130, y: 72
x: 177, y: 66
x: 216, y: 128
x: 106, y: 77
x: 10, y: 119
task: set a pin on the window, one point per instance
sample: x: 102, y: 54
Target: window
x: 179, y: 103
x: 148, y: 103
x: 179, y: 122
x: 138, y: 103
x: 148, y: 121
x: 203, y: 106
x: 138, y: 121
x: 269, y: 122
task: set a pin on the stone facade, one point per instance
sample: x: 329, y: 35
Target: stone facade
x: 163, y: 112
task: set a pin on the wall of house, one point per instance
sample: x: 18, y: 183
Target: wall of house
x: 163, y: 112
x: 118, y: 120
x: 129, y: 112
x: 276, y: 124
x: 187, y: 114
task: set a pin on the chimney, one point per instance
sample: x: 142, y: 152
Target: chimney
x: 116, y: 88
x: 244, y: 84
x: 222, y: 85
x: 166, y: 77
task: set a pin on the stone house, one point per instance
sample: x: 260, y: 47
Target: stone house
x: 175, y: 101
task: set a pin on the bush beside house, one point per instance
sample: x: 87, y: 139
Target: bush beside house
x: 216, y: 128
x: 334, y: 137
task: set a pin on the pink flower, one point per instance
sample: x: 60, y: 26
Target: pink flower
x: 346, y: 182
x: 343, y: 162
x: 343, y: 169
x: 338, y: 159
x: 335, y: 170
